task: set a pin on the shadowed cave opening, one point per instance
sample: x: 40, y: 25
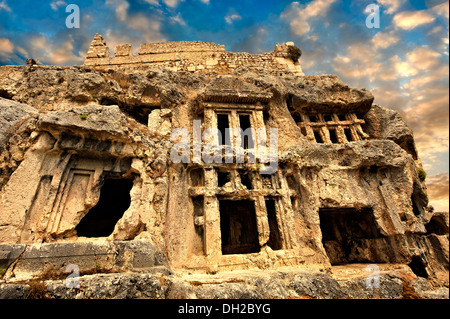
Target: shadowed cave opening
x: 349, y: 235
x: 138, y: 112
x: 102, y: 218
x: 437, y: 226
x: 418, y: 267
x: 238, y: 227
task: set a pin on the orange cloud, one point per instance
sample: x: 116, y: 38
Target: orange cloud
x: 408, y: 20
x: 438, y: 188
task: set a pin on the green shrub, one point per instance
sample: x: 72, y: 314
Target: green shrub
x: 3, y: 184
x: 83, y: 117
x: 294, y: 53
x: 422, y: 174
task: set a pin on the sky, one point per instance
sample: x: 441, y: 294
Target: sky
x: 404, y: 62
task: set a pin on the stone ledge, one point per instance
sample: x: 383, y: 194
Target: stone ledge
x: 28, y: 261
x: 397, y: 283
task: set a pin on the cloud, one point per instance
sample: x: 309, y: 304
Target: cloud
x: 408, y: 20
x: 385, y: 39
x: 152, y: 2
x: 438, y: 191
x: 255, y: 39
x: 438, y: 186
x: 441, y: 9
x: 420, y: 59
x: 171, y: 3
x: 423, y: 58
x: 403, y: 68
x: 148, y: 27
x: 4, y: 6
x: 56, y: 4
x: 391, y: 5
x: 51, y: 51
x: 6, y: 47
x: 301, y: 16
x: 232, y: 17
x: 178, y: 19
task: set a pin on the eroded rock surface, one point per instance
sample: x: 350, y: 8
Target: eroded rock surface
x: 90, y: 177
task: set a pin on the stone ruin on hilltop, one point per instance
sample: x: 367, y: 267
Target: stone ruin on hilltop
x: 87, y: 177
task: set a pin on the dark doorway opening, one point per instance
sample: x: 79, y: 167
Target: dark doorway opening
x: 333, y: 136
x: 318, y: 137
x: 348, y: 134
x: 246, y: 137
x: 114, y: 201
x: 223, y: 125
x: 350, y: 236
x: 313, y: 118
x: 275, y: 241
x: 238, y: 227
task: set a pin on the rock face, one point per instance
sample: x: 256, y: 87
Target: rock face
x: 132, y: 176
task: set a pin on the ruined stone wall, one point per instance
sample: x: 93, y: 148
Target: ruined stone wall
x: 191, y: 56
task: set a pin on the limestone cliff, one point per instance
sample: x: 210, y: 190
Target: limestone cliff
x: 87, y: 179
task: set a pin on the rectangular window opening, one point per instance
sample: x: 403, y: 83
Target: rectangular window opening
x: 348, y: 134
x: 223, y: 123
x: 313, y: 118
x: 197, y: 177
x: 245, y: 125
x: 275, y: 241
x: 238, y: 227
x: 333, y: 136
x: 327, y: 118
x: 318, y: 137
x: 246, y: 179
x: 342, y: 117
x: 223, y: 178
